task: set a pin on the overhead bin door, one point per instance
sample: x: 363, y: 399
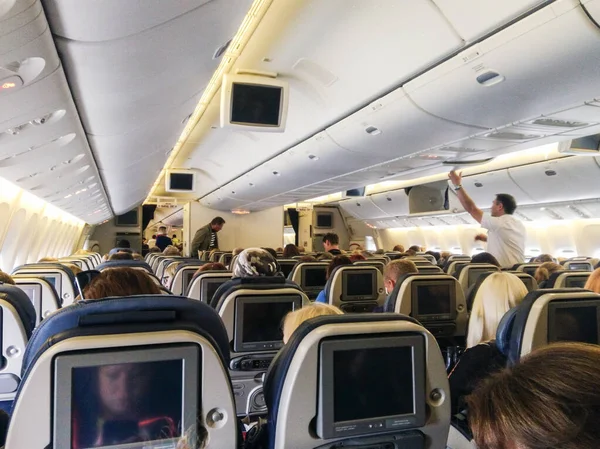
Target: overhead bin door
x: 475, y: 18
x: 484, y: 187
x: 539, y: 65
x: 394, y: 203
x: 362, y: 208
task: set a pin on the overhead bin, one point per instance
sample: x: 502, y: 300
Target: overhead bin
x: 539, y: 65
x: 474, y: 18
x: 483, y: 188
x: 393, y: 203
x: 559, y: 179
x: 362, y: 208
x: 393, y: 127
x: 593, y: 8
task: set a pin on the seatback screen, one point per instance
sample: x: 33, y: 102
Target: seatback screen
x: 372, y: 383
x: 211, y: 287
x: 314, y: 277
x: 475, y: 272
x: 434, y: 299
x: 263, y: 321
x: 572, y: 322
x: 579, y: 266
x: 187, y: 279
x: 286, y: 268
x: 113, y: 405
x: 575, y: 282
x: 359, y: 286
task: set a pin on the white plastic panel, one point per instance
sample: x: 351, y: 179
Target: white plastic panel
x: 474, y: 18
x: 484, y: 187
x: 393, y: 127
x: 362, y: 208
x: 593, y: 8
x: 548, y: 61
x: 394, y: 203
x: 571, y: 181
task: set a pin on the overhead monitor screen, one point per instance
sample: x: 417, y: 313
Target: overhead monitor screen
x: 256, y: 104
x: 314, y: 277
x: 569, y: 322
x: 324, y: 220
x: 127, y: 403
x: 434, y: 299
x: 181, y: 181
x: 127, y: 219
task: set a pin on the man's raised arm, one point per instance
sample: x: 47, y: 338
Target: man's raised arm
x: 465, y: 199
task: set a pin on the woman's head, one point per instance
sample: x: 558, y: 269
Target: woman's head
x: 212, y: 266
x: 544, y: 258
x: 121, y: 282
x: 550, y: 400
x: 6, y: 278
x: 398, y: 248
x: 337, y: 261
x: 593, y: 282
x: 294, y: 319
x: 253, y: 262
x: 290, y: 251
x: 171, y: 251
x: 497, y: 294
x: 544, y: 271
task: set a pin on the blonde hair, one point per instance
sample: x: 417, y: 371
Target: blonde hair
x: 593, y: 282
x: 497, y: 294
x: 171, y: 251
x: 397, y: 268
x: 544, y: 271
x: 294, y: 319
x: 6, y: 278
x: 48, y: 259
x: 74, y: 268
x: 172, y: 269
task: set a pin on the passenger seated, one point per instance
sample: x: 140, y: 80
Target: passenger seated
x: 294, y: 319
x: 48, y: 259
x: 398, y: 248
x: 211, y: 266
x: 357, y: 257
x: 498, y: 293
x: 290, y: 251
x: 337, y: 261
x: 395, y: 269
x: 307, y: 259
x: 169, y: 273
x: 485, y: 258
x: 254, y: 262
x: 549, y: 400
x: 120, y: 282
x: 137, y: 256
x: 171, y: 250
x: 543, y: 258
x: 121, y: 256
x: 154, y: 249
x: 543, y: 272
x: 6, y: 278
x: 593, y: 282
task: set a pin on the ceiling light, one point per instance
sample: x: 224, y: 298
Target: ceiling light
x: 240, y: 212
x: 10, y: 83
x: 68, y: 196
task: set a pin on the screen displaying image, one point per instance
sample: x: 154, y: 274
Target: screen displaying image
x: 263, y: 321
x: 256, y: 104
x: 212, y: 285
x: 127, y: 403
x: 575, y: 282
x: 579, y: 266
x: 50, y: 279
x: 434, y: 299
x: 359, y: 284
x: 286, y: 268
x: 314, y: 277
x: 576, y: 324
x: 372, y: 383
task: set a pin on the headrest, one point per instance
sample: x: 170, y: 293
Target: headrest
x: 254, y: 283
x: 504, y: 331
x: 121, y: 250
x: 45, y: 265
x: 22, y: 304
x: 143, y: 313
x: 472, y: 291
x: 124, y: 264
x: 275, y: 378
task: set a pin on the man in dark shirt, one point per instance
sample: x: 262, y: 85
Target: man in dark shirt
x: 162, y: 239
x: 331, y: 243
x: 206, y: 237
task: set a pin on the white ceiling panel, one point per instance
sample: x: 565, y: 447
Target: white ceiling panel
x: 475, y: 18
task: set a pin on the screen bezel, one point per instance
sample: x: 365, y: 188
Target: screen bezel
x: 577, y: 266
x: 553, y: 306
x: 63, y: 365
x: 316, y: 225
x: 568, y: 279
x: 168, y: 187
x: 303, y: 271
x: 345, y: 297
x: 437, y: 282
x: 46, y: 274
x: 210, y: 280
x: 238, y: 328
x: 327, y: 427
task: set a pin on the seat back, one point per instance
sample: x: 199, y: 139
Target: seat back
x: 183, y: 277
x: 371, y: 263
x: 453, y: 267
x: 136, y: 264
x: 468, y: 274
x: 310, y: 276
x: 341, y: 368
x: 80, y: 263
x: 253, y: 315
x: 215, y: 256
x: 546, y: 316
x: 455, y: 258
x: 204, y: 286
x: 527, y: 279
x: 225, y: 259
x: 58, y: 275
x: 286, y: 266
x: 42, y: 295
x: 579, y: 265
x: 435, y: 300
x: 355, y: 289
x: 164, y: 263
x: 529, y: 268
x: 156, y: 261
x: 568, y: 279
x: 429, y: 269
x: 175, y: 348
x: 18, y: 318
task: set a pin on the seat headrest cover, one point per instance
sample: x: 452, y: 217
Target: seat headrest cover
x: 275, y: 378
x: 124, y: 264
x: 22, y: 304
x: 189, y: 314
x: 41, y: 266
x: 122, y: 250
x: 504, y: 330
x: 256, y: 283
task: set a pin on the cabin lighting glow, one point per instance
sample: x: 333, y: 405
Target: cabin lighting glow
x: 8, y: 85
x: 240, y: 212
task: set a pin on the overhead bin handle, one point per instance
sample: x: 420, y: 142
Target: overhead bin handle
x: 490, y: 78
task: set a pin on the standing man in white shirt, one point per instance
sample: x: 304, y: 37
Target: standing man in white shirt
x: 506, y: 234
